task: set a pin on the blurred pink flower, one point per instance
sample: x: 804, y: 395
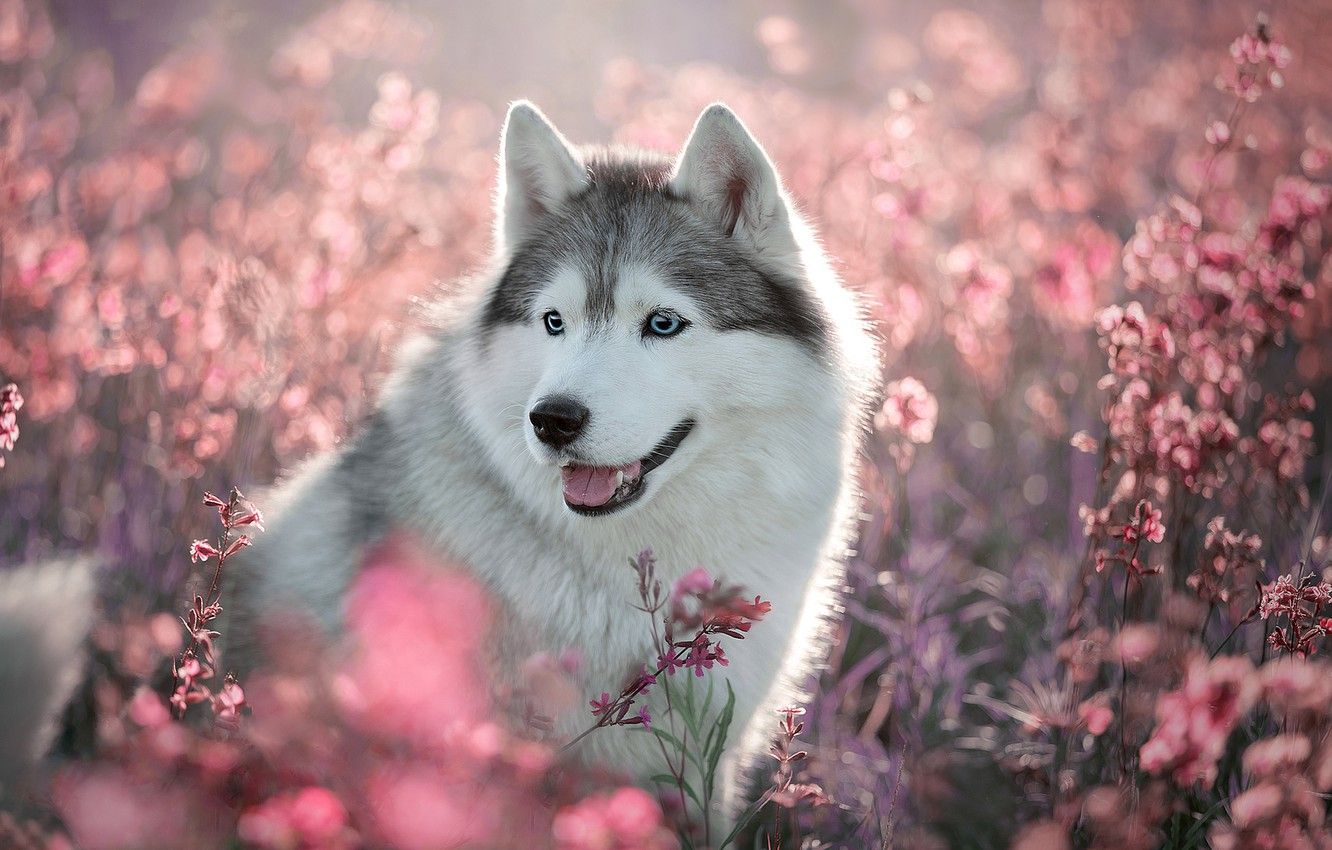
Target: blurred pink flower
x: 393, y: 616
x: 1194, y: 722
x: 11, y: 401
x: 311, y: 817
x: 908, y: 409
x: 422, y: 808
x: 627, y: 819
x: 693, y: 582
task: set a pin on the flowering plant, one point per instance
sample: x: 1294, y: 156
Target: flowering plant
x: 1088, y: 603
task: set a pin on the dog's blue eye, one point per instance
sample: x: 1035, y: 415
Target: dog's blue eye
x: 554, y: 323
x: 662, y: 323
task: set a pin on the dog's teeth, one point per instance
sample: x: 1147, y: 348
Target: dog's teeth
x: 619, y: 478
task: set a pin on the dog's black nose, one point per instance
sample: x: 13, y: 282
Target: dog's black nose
x: 557, y: 420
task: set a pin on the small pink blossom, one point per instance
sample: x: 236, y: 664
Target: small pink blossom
x: 11, y: 401
x: 601, y: 705
x: 692, y: 583
x: 202, y: 550
x: 909, y: 410
x: 1095, y: 715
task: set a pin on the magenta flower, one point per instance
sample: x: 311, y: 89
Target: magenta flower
x: 601, y: 705
x: 669, y: 662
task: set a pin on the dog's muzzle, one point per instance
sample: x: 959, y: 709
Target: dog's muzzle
x: 599, y: 490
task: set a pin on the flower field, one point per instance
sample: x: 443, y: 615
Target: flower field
x: 1091, y: 598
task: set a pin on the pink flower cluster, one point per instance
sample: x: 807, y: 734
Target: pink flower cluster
x: 395, y: 738
x: 11, y: 401
x: 1288, y: 774
x: 1299, y: 603
x: 907, y: 418
x: 1144, y: 525
x: 697, y: 611
x: 1229, y: 566
x: 627, y: 819
x: 1195, y: 721
x: 310, y: 817
x: 197, y: 662
x: 786, y: 791
x: 1260, y: 60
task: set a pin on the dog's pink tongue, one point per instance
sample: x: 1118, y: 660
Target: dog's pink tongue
x: 593, y: 486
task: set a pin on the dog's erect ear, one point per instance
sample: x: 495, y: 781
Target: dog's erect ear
x: 538, y: 171
x: 729, y: 178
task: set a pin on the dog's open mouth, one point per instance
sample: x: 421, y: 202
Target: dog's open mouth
x: 597, y: 490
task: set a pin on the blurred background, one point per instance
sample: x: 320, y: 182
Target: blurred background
x: 217, y: 216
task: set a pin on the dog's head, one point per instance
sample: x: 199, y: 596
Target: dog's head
x: 650, y: 315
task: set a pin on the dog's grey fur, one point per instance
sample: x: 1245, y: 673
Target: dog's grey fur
x: 629, y: 214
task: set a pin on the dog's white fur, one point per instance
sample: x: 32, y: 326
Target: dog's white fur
x: 45, y: 610
x: 761, y: 493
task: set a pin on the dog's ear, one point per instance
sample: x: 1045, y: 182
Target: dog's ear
x: 538, y: 171
x: 727, y: 176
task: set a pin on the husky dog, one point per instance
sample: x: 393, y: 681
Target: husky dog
x: 659, y: 356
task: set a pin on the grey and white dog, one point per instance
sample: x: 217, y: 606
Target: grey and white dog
x: 660, y: 355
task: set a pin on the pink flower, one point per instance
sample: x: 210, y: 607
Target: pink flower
x: 202, y: 550
x: 1277, y: 755
x: 1194, y: 722
x: 703, y: 654
x: 602, y: 704
x: 395, y: 612
x: 422, y: 807
x: 268, y: 825
x: 228, y: 701
x: 627, y: 819
x: 1257, y: 804
x: 310, y: 817
x: 644, y: 717
x: 909, y: 410
x: 1147, y: 522
x: 147, y: 708
x: 238, y: 544
x: 11, y: 401
x: 692, y: 583
x: 633, y: 816
x: 318, y: 815
x: 669, y: 662
x: 1095, y: 715
x: 1084, y: 442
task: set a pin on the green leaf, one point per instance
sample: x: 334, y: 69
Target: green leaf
x: 717, y: 741
x: 743, y: 821
x: 689, y: 789
x: 1196, y: 831
x: 667, y: 737
x: 677, y: 745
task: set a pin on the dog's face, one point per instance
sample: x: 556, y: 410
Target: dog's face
x: 647, y: 317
